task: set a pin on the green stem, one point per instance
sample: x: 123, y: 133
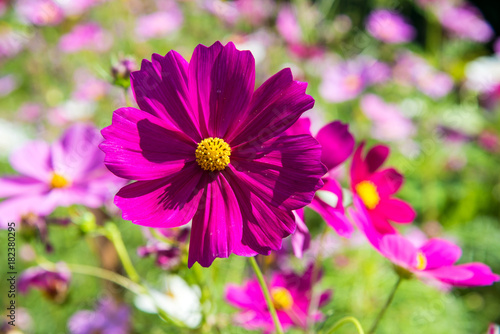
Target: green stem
x: 114, y: 235
x: 386, y: 306
x: 267, y: 295
x: 344, y: 321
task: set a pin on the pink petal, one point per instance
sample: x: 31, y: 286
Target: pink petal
x: 217, y: 225
x: 301, y: 127
x: 140, y: 146
x: 33, y: 160
x: 450, y: 274
x: 20, y: 185
x: 387, y: 181
x: 275, y: 106
x: 398, y: 249
x: 396, y: 210
x: 481, y: 275
x: 440, y: 253
x: 301, y: 238
x: 168, y: 202
x: 12, y: 209
x: 358, y: 170
x: 376, y: 157
x: 337, y: 143
x: 161, y: 88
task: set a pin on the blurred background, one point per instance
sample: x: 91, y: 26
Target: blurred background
x: 422, y: 76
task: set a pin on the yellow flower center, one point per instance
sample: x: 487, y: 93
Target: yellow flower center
x: 368, y: 193
x: 421, y: 261
x: 213, y: 154
x: 58, y: 181
x: 282, y: 298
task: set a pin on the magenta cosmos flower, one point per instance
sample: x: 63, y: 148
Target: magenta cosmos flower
x: 290, y: 294
x: 52, y: 283
x: 205, y: 146
x: 374, y: 189
x: 389, y: 26
x: 433, y: 261
x: 70, y: 171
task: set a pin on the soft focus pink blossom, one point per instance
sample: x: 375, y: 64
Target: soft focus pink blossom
x: 493, y: 329
x: 30, y: 111
x: 255, y: 12
x: 88, y: 36
x: 465, y: 22
x: 40, y: 12
x: 12, y: 41
x: 159, y: 24
x: 77, y: 7
x: 288, y: 25
x: 389, y: 27
x: 389, y: 124
x: 8, y: 84
x: 489, y: 140
x: 227, y: 11
x: 88, y: 87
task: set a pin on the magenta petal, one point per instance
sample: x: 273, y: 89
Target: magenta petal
x: 301, y: 127
x: 396, y: 210
x: 450, y: 274
x: 481, y: 275
x: 301, y: 238
x: 358, y: 170
x: 140, y: 146
x: 12, y: 209
x: 20, y: 185
x: 239, y: 297
x: 398, y: 249
x: 337, y: 143
x: 230, y: 86
x: 376, y: 157
x: 161, y: 89
x: 377, y: 223
x: 168, y: 202
x: 440, y: 253
x: 217, y: 225
x: 33, y: 160
x: 285, y: 171
x: 275, y: 106
x: 387, y: 181
x: 362, y: 220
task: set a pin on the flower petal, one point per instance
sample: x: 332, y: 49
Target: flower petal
x: 275, y: 106
x: 168, y: 202
x: 20, y: 185
x: 398, y: 249
x: 217, y: 225
x: 337, y: 143
x: 285, y: 171
x: 161, y: 88
x: 481, y: 275
x: 140, y: 146
x: 33, y: 160
x: 301, y: 238
x: 450, y: 274
x: 440, y: 253
x: 376, y: 157
x: 301, y: 127
x: 387, y: 181
x: 396, y: 210
x: 12, y: 209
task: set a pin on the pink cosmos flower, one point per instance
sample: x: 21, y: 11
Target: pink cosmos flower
x: 109, y: 317
x: 87, y: 36
x: 159, y: 24
x: 70, y: 171
x: 493, y: 329
x: 346, y: 80
x: 12, y: 42
x: 291, y: 294
x: 388, y: 121
x: 337, y: 145
x: 205, y: 146
x: 465, y: 22
x: 52, y: 283
x: 40, y: 12
x: 433, y: 261
x: 389, y: 27
x: 373, y: 189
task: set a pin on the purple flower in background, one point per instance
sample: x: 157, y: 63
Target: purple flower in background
x: 389, y: 27
x: 255, y: 12
x: 389, y: 123
x: 205, y: 146
x: 52, y: 283
x: 346, y: 80
x: 167, y: 257
x: 11, y: 42
x: 70, y: 171
x: 88, y: 87
x: 40, y: 12
x: 291, y: 295
x: 109, y: 317
x: 88, y: 36
x: 159, y: 24
x: 465, y: 22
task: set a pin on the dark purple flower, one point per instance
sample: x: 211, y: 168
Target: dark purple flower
x: 167, y: 257
x: 205, y: 146
x: 52, y: 283
x: 109, y: 317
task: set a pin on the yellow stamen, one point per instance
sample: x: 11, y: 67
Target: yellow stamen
x: 58, y: 181
x: 282, y: 298
x: 368, y: 193
x: 421, y: 261
x: 213, y: 154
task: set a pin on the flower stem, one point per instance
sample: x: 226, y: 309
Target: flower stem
x: 387, y: 303
x: 345, y: 320
x: 267, y: 295
x: 114, y: 235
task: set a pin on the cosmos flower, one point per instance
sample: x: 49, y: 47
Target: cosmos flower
x: 40, y: 12
x: 337, y: 144
x: 70, y: 171
x: 12, y: 41
x: 109, y: 317
x: 465, y: 22
x: 52, y: 283
x: 161, y: 23
x: 389, y: 27
x: 291, y: 295
x: 88, y: 36
x: 433, y: 261
x: 205, y: 146
x: 493, y: 329
x: 373, y: 189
